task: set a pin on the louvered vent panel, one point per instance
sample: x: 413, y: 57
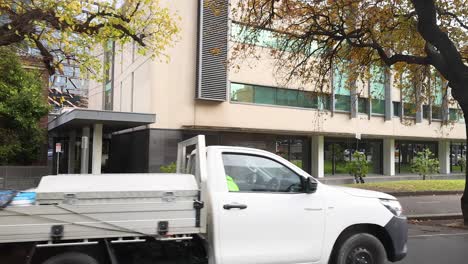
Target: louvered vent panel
x: 212, y: 46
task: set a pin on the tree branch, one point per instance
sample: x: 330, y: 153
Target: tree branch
x: 448, y: 53
x: 442, y: 12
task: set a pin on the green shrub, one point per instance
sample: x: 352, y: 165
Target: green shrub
x: 358, y: 166
x: 424, y: 163
x: 170, y: 168
x: 22, y: 105
x: 462, y: 163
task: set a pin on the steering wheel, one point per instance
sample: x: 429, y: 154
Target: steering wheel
x: 273, y: 184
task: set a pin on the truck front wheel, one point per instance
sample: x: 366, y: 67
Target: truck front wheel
x: 71, y: 258
x: 361, y: 249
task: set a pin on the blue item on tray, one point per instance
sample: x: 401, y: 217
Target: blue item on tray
x: 24, y: 198
x: 16, y: 198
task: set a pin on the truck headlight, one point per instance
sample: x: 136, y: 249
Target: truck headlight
x: 393, y: 206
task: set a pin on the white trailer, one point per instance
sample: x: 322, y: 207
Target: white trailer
x: 276, y: 213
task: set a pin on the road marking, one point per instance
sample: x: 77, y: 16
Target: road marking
x: 438, y: 235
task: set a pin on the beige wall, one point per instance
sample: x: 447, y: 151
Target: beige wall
x: 95, y: 88
x: 244, y: 116
x: 168, y: 90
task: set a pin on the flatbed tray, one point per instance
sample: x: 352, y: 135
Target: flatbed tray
x: 105, y: 206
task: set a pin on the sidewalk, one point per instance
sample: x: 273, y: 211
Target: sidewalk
x: 347, y: 179
x: 431, y: 206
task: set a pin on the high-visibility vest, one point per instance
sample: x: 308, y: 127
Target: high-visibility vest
x: 232, y: 186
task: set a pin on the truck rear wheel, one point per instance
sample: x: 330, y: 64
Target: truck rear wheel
x: 361, y: 249
x: 71, y: 258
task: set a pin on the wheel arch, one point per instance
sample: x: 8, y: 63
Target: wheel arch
x: 378, y: 231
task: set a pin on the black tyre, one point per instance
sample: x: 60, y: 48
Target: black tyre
x: 71, y: 258
x: 361, y: 249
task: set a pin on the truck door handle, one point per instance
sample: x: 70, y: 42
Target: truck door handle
x: 234, y: 206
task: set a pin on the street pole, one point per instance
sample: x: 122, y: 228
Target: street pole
x: 58, y: 162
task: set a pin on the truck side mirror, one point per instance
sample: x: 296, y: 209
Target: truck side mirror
x: 310, y: 185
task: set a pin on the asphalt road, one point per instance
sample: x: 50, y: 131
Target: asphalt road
x: 431, y: 205
x: 436, y: 245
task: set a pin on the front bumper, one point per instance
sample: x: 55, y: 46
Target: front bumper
x: 397, y: 228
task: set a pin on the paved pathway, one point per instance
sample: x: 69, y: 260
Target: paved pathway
x: 431, y: 205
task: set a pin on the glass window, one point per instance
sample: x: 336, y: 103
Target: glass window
x: 438, y: 91
x: 437, y: 99
x: 453, y: 114
x: 264, y: 95
x: 293, y: 150
x: 342, y: 102
x: 268, y: 39
x: 461, y: 116
x: 278, y: 96
x: 377, y: 82
x: 457, y: 155
x: 397, y: 109
x: 325, y: 101
x: 378, y: 106
x: 242, y: 93
x: 362, y: 105
x: 108, y: 74
x: 342, y: 92
x: 426, y: 109
x: 108, y: 96
x: 436, y: 112
x: 262, y: 38
x: 377, y: 90
x: 307, y: 99
x: 108, y: 60
x: 259, y: 174
x: 338, y: 152
x: 405, y: 151
x: 287, y: 97
x: 409, y: 110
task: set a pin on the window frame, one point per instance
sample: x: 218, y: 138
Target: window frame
x: 302, y: 178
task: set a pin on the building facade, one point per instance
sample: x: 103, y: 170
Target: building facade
x: 245, y: 103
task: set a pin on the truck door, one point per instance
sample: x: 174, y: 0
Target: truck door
x: 264, y: 216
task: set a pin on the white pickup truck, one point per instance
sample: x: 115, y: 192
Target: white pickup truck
x: 225, y: 205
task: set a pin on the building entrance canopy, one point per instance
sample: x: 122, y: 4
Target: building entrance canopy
x: 112, y: 121
x: 76, y: 122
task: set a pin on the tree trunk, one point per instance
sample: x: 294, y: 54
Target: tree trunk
x: 464, y: 199
x: 460, y: 93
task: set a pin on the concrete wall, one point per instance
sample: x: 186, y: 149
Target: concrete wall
x: 21, y: 177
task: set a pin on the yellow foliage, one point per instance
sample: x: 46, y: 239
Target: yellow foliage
x: 76, y: 28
